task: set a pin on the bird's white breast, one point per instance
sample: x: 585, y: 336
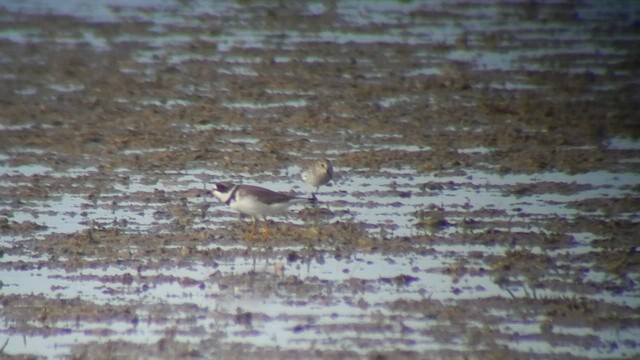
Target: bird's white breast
x: 249, y: 205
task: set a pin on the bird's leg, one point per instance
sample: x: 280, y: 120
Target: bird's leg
x: 254, y: 228
x: 265, y: 232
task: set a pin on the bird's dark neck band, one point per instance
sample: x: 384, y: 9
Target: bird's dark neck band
x: 232, y: 196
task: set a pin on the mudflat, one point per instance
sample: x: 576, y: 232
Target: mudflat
x: 486, y: 202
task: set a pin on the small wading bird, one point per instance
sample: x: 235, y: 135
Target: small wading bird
x: 256, y: 201
x: 317, y: 174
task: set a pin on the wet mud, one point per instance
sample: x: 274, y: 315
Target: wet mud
x: 485, y: 204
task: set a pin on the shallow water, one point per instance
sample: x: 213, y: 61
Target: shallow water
x: 485, y: 200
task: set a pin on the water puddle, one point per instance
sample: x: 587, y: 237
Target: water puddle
x: 255, y: 106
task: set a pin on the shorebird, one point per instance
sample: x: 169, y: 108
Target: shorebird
x: 256, y: 201
x: 317, y: 174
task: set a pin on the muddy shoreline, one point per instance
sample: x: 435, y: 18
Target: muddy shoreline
x: 485, y: 205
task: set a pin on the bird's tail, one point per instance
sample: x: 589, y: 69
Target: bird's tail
x: 305, y: 200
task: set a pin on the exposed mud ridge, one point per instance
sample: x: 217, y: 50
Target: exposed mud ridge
x: 485, y: 204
